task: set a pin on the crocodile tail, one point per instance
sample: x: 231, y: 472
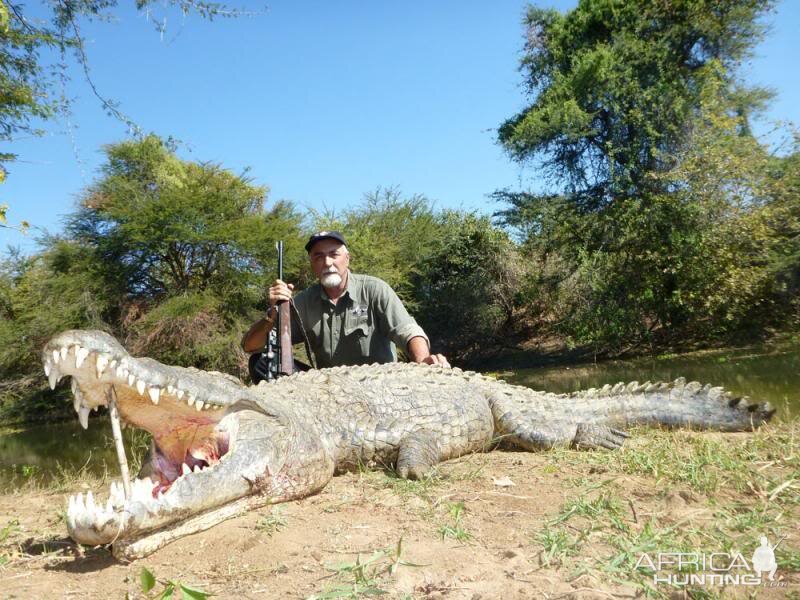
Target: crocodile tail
x: 674, y: 404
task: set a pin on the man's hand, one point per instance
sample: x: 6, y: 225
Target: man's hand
x: 280, y: 291
x: 419, y: 352
x: 436, y: 359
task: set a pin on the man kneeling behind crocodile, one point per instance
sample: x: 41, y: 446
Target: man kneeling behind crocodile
x: 350, y: 319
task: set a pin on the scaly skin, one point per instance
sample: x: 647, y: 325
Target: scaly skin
x: 219, y: 442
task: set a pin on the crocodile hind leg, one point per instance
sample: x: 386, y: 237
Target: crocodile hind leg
x: 516, y: 425
x: 589, y: 435
x: 419, y: 452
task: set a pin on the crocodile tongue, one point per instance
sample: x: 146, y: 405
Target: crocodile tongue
x: 186, y: 448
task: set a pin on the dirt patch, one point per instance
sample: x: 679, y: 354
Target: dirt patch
x: 504, y: 524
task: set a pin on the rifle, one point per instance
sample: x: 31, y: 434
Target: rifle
x: 284, y: 361
x: 277, y: 359
x: 279, y: 339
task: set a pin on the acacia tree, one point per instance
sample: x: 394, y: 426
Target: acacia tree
x: 619, y: 91
x: 188, y: 246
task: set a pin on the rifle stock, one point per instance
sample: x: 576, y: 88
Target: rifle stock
x: 286, y: 364
x: 285, y: 361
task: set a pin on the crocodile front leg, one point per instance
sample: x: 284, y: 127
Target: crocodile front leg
x: 419, y: 452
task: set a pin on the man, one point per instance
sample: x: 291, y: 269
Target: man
x: 350, y: 319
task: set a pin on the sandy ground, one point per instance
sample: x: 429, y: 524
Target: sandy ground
x: 309, y: 548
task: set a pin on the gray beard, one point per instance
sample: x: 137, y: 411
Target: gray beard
x: 330, y: 280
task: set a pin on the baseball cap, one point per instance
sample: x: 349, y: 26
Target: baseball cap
x: 324, y: 235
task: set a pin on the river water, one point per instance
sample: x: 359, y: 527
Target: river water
x: 773, y: 374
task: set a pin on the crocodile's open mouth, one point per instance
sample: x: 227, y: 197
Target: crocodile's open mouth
x: 183, y: 418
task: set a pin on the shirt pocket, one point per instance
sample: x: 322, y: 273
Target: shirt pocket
x: 357, y: 332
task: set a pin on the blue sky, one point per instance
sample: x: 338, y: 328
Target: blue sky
x: 322, y: 101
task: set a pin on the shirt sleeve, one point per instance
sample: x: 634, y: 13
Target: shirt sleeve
x: 395, y: 322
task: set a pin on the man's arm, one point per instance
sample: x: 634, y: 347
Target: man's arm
x: 256, y: 337
x: 403, y: 330
x: 419, y: 352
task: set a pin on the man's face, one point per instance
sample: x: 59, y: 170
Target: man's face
x: 329, y: 261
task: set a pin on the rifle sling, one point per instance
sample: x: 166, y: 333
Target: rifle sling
x: 296, y: 316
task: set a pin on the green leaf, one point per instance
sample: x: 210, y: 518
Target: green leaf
x: 167, y: 593
x: 147, y: 580
x: 190, y: 593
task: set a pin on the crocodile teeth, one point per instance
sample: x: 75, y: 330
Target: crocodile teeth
x: 47, y: 366
x: 190, y: 400
x: 83, y: 416
x: 197, y: 469
x: 155, y: 394
x: 101, y: 364
x: 170, y: 390
x: 140, y: 387
x: 77, y: 397
x: 56, y: 356
x: 198, y: 405
x: 179, y: 394
x: 54, y: 377
x: 131, y: 379
x: 63, y: 352
x: 185, y: 469
x: 80, y: 356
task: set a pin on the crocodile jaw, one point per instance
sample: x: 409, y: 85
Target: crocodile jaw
x: 185, y: 416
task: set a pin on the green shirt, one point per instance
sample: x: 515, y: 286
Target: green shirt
x: 362, y: 327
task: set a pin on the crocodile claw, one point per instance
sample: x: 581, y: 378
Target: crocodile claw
x: 589, y: 436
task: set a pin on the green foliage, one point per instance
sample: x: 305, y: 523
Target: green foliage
x: 170, y: 256
x: 663, y: 222
x: 23, y: 225
x: 362, y: 577
x: 615, y: 83
x: 455, y: 529
x: 468, y: 285
x: 172, y: 589
x: 272, y: 523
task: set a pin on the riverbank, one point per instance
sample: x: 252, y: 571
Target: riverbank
x: 565, y: 523
x: 551, y: 351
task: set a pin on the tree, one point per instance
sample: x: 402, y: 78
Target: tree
x: 467, y: 286
x: 170, y: 256
x: 624, y: 95
x: 616, y: 85
x: 188, y: 247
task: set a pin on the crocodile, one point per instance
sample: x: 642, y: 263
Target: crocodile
x: 221, y: 447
